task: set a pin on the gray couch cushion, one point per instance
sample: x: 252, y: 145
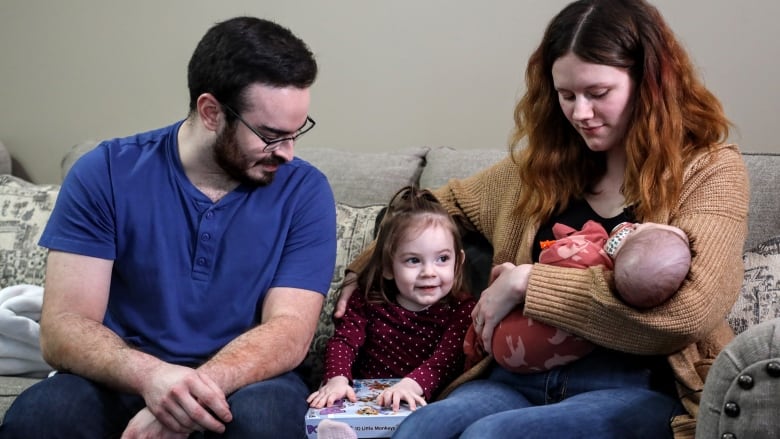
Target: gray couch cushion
x: 363, y: 179
x: 5, y: 160
x: 444, y: 163
x: 73, y: 154
x: 764, y: 220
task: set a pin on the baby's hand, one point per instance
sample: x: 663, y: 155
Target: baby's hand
x: 405, y: 390
x: 336, y: 388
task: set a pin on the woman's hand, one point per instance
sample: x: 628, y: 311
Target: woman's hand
x: 405, y: 390
x: 349, y: 286
x: 336, y: 388
x: 508, y: 283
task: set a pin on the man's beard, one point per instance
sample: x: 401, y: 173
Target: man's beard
x: 229, y: 157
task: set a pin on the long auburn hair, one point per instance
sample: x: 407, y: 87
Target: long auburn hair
x: 411, y: 210
x: 674, y: 114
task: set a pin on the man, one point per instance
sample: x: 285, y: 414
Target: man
x: 188, y: 265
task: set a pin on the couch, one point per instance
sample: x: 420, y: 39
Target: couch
x: 363, y: 181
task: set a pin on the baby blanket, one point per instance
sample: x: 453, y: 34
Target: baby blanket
x: 20, y: 311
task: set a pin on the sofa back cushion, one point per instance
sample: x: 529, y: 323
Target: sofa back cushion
x: 764, y: 215
x: 73, y: 154
x: 5, y: 160
x: 366, y: 178
x: 24, y: 209
x: 444, y: 163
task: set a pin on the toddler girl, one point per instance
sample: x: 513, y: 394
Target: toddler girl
x: 409, y: 314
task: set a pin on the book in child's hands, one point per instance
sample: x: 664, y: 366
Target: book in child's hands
x: 365, y: 416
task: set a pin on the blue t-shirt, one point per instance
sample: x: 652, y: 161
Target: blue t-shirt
x: 189, y: 274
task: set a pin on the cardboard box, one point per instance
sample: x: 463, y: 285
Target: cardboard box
x: 365, y: 416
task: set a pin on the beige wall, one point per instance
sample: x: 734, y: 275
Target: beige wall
x: 394, y: 74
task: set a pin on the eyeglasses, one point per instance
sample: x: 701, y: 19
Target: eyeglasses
x: 274, y: 144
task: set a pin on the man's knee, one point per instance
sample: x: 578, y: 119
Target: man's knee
x: 67, y: 405
x: 271, y: 408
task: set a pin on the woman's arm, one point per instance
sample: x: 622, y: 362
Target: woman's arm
x: 713, y: 212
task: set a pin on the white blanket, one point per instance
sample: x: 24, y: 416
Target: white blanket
x: 20, y: 311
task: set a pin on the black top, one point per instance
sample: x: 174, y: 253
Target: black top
x: 575, y: 216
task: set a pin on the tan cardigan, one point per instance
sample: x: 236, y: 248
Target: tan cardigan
x: 690, y: 327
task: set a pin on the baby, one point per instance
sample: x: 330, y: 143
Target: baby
x: 650, y: 262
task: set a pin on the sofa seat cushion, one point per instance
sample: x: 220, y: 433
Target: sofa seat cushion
x: 759, y: 298
x: 10, y: 388
x: 355, y: 230
x: 24, y: 209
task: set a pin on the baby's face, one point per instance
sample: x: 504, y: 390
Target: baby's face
x: 657, y: 226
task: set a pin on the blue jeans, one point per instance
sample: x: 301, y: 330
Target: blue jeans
x: 606, y: 394
x: 68, y: 406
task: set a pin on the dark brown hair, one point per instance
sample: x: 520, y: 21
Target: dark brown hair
x: 242, y: 51
x: 410, y: 209
x: 674, y: 114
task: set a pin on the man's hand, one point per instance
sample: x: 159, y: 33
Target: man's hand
x: 184, y: 400
x: 405, y: 390
x: 336, y: 388
x: 349, y: 287
x: 145, y: 425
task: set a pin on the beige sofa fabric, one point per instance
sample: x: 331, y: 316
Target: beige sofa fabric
x: 354, y: 231
x: 24, y: 210
x: 758, y: 298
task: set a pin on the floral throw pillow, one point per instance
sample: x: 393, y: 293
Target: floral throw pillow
x: 24, y: 210
x: 759, y: 298
x: 355, y: 230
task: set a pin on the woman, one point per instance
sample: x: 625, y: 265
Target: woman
x: 615, y: 126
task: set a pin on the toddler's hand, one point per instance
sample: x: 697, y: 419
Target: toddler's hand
x: 336, y: 388
x: 405, y: 390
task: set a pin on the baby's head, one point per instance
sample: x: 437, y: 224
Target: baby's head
x: 651, y: 263
x: 418, y: 256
